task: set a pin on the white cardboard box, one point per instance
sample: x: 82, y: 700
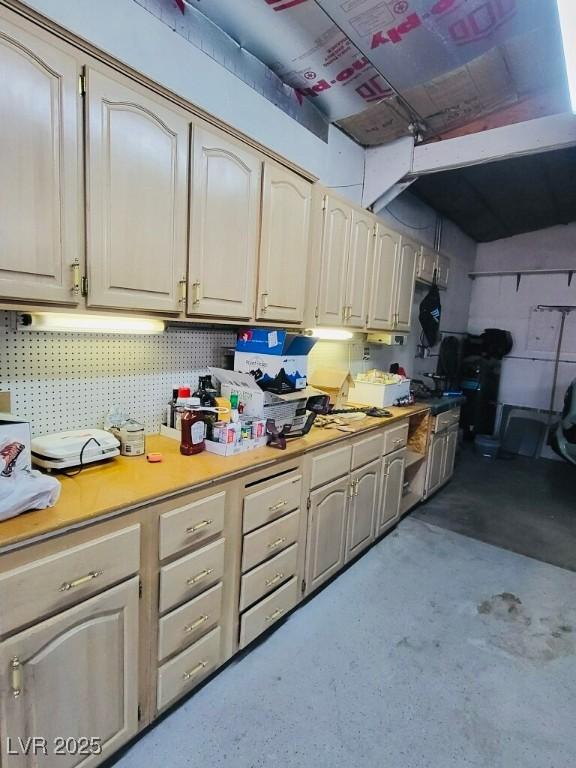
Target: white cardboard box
x: 380, y: 395
x: 15, y: 430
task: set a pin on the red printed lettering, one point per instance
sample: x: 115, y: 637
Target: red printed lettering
x: 373, y: 89
x: 441, y: 7
x: 378, y: 39
x: 395, y: 34
x: 283, y: 5
x: 483, y: 21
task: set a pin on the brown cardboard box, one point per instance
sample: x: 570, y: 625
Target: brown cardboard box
x: 4, y: 402
x: 336, y: 383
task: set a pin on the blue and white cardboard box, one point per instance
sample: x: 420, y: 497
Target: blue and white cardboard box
x: 266, y: 352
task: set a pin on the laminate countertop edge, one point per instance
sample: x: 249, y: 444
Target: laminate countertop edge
x: 127, y: 484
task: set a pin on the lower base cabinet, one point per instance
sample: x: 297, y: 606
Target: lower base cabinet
x: 441, y: 457
x: 327, y: 532
x: 393, y: 467
x: 71, y: 681
x: 365, y: 488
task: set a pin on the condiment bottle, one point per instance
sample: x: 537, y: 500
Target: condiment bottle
x: 192, y: 426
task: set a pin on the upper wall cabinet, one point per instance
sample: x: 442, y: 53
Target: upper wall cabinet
x: 284, y: 245
x: 382, y: 309
x: 443, y: 270
x: 409, y: 252
x: 40, y: 191
x: 358, y: 270
x: 334, y: 252
x: 427, y: 265
x: 136, y: 164
x: 225, y: 209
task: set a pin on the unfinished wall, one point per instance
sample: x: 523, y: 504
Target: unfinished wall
x: 129, y: 32
x: 495, y: 303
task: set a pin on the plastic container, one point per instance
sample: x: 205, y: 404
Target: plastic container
x: 487, y: 446
x: 193, y: 430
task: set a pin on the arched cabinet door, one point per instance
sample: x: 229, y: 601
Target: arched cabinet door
x: 334, y: 253
x: 327, y: 523
x: 136, y: 182
x: 284, y: 245
x: 393, y: 467
x: 41, y: 251
x: 363, y: 502
x: 73, y: 676
x: 382, y: 309
x: 224, y: 220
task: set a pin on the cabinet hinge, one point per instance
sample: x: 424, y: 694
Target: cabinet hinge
x: 82, y: 85
x: 182, y: 291
x: 84, y: 286
x: 140, y: 588
x: 303, y: 586
x: 324, y: 202
x: 139, y: 713
x: 308, y: 503
x: 375, y: 230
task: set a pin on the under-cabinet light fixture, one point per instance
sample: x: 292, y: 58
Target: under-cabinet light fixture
x: 567, y: 14
x: 78, y: 323
x: 330, y: 334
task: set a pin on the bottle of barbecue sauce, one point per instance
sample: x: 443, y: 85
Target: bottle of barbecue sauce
x: 193, y: 429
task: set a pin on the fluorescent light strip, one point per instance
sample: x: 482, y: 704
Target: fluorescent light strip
x: 58, y: 322
x: 331, y: 334
x: 567, y: 14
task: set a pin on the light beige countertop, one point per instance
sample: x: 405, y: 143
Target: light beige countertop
x: 125, y: 483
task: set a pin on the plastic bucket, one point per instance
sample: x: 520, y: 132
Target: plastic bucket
x: 487, y: 446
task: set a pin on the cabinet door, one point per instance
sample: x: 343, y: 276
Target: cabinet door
x: 381, y: 314
x: 427, y: 262
x: 224, y: 220
x: 443, y: 270
x: 74, y: 675
x: 405, y: 286
x: 435, y: 468
x: 365, y: 487
x: 392, y: 482
x: 359, y: 270
x: 326, y: 532
x: 334, y: 258
x: 40, y: 190
x: 450, y: 453
x: 284, y: 245
x: 136, y: 161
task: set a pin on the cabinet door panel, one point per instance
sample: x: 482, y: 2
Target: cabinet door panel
x: 359, y: 270
x: 334, y: 255
x: 392, y: 482
x: 225, y: 204
x: 136, y: 158
x: 327, y: 532
x: 427, y: 262
x: 435, y: 463
x: 381, y: 315
x: 365, y: 485
x: 40, y: 189
x: 450, y: 453
x: 78, y: 676
x: 284, y: 245
x: 405, y: 286
x: 443, y: 270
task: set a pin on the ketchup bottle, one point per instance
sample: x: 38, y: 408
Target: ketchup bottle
x: 193, y: 427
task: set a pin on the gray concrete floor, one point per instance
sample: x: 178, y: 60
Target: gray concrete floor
x: 525, y: 505
x: 434, y: 650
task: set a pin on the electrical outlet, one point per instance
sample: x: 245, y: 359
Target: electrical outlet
x: 366, y: 353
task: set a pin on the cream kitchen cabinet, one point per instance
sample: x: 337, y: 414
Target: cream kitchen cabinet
x: 443, y: 270
x: 224, y: 220
x: 136, y: 178
x: 73, y: 676
x: 392, y: 284
x: 427, y: 265
x: 393, y: 467
x: 441, y: 456
x: 284, y: 245
x: 41, y: 248
x: 364, y: 492
x: 327, y: 531
x: 345, y: 265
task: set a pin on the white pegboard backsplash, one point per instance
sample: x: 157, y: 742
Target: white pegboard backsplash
x: 63, y: 381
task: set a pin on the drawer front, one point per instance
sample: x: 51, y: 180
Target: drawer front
x: 367, y: 450
x: 34, y: 590
x: 446, y: 420
x: 329, y: 466
x: 270, y: 540
x: 191, y: 575
x: 395, y: 438
x: 263, y: 506
x: 186, y: 624
x: 181, y: 674
x: 191, y: 524
x: 269, y: 576
x: 267, y: 611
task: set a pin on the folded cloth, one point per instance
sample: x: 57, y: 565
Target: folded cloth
x: 27, y: 489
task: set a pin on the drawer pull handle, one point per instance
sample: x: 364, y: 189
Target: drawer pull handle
x: 195, y: 624
x: 16, y: 676
x: 200, y: 576
x: 68, y: 585
x: 275, y: 614
x: 398, y: 441
x: 199, y: 526
x: 277, y: 543
x: 194, y: 671
x: 274, y: 579
x: 277, y: 506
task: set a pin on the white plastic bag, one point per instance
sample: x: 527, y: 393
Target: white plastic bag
x: 27, y: 489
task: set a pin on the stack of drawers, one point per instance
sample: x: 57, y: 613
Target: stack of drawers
x: 190, y: 599
x: 269, y: 583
